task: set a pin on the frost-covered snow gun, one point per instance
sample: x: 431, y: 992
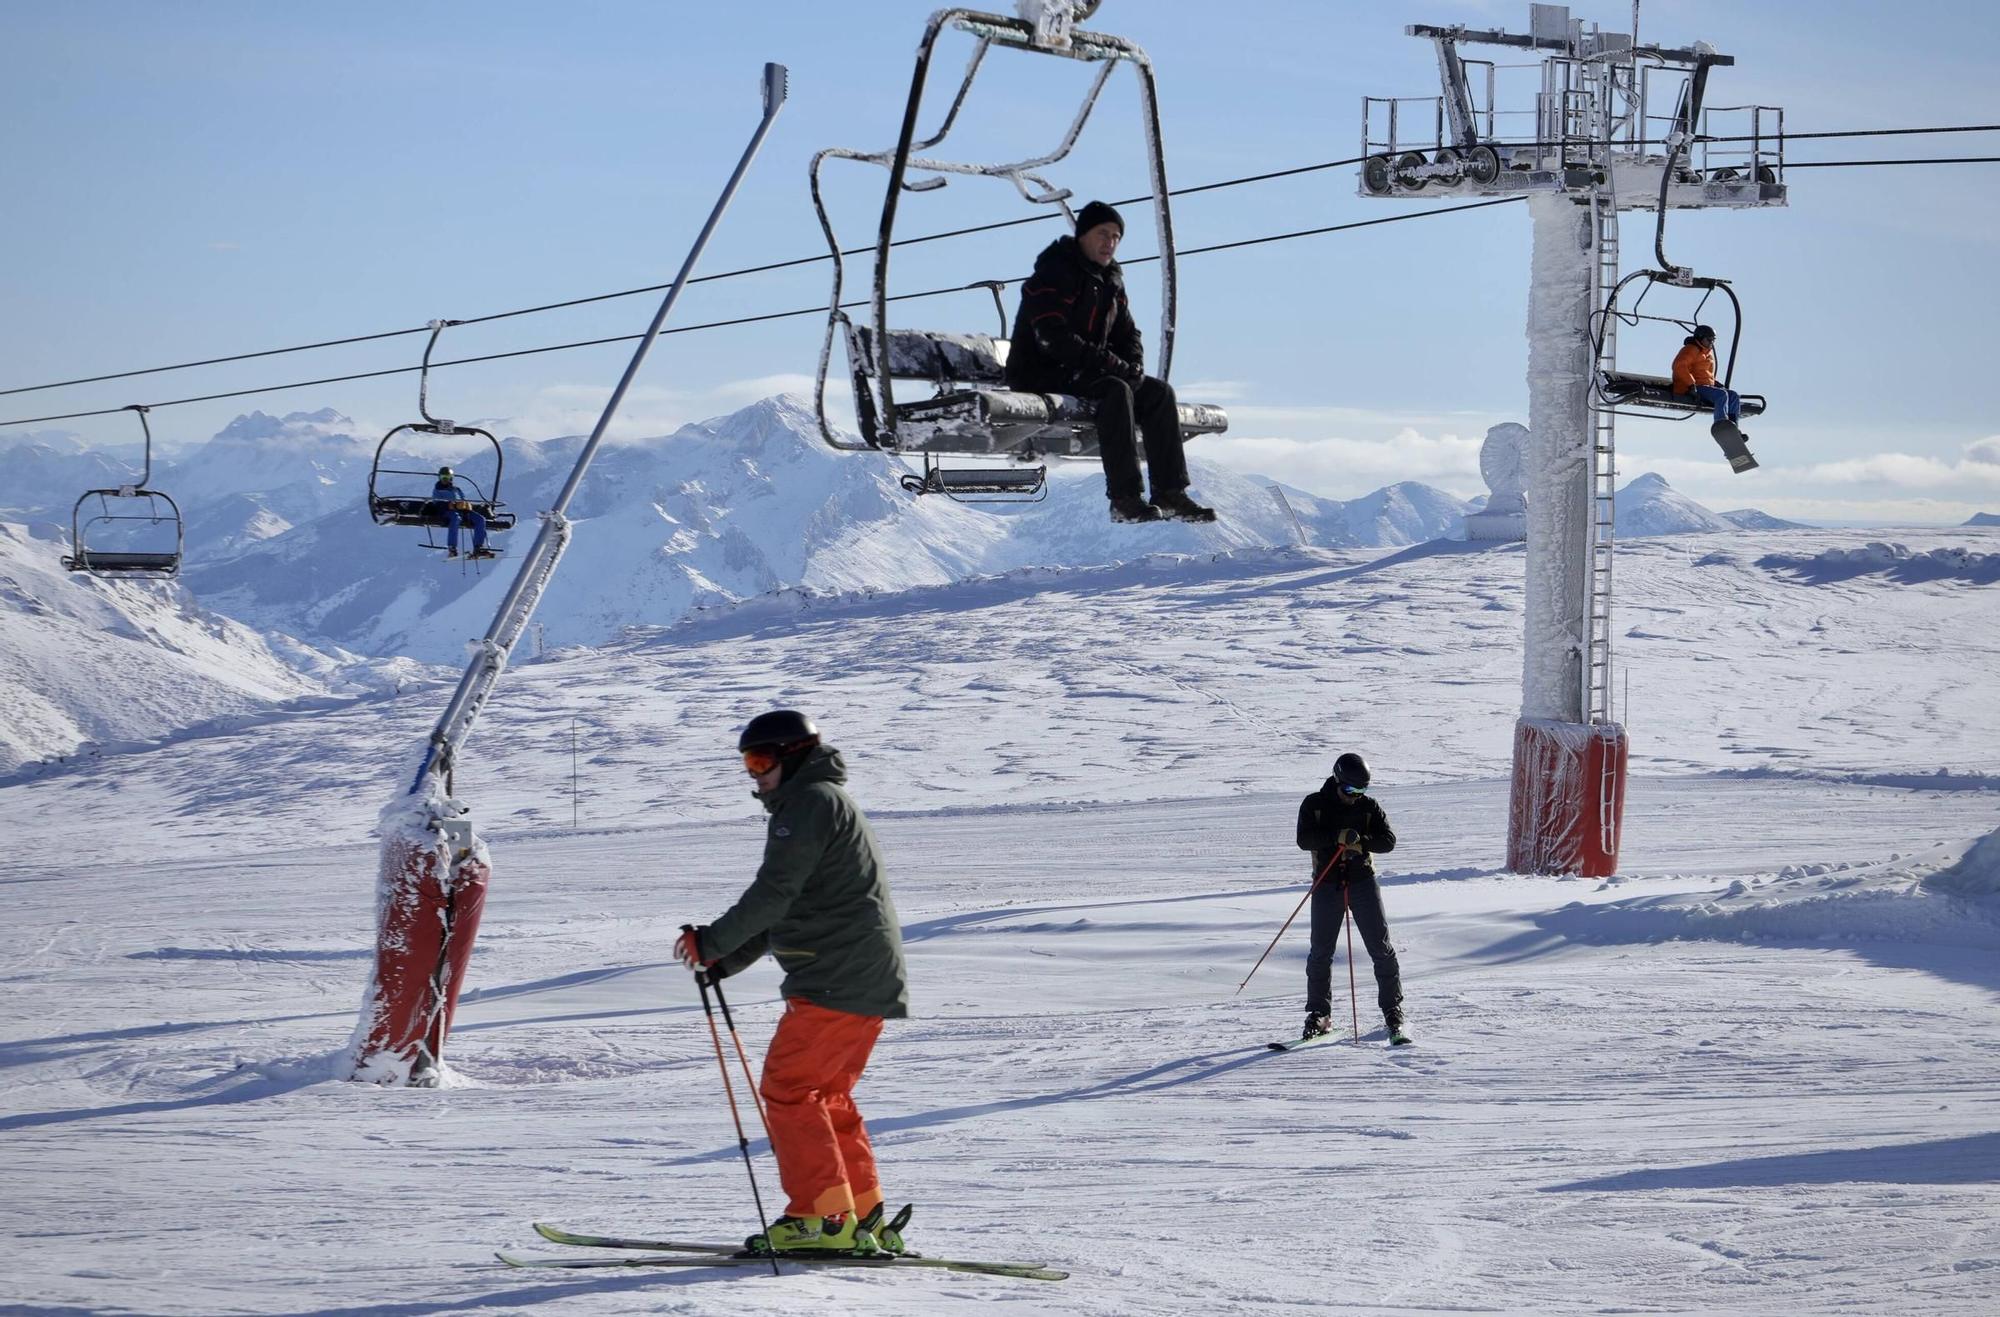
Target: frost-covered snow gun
x: 432, y: 881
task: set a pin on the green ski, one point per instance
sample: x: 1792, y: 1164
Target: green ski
x: 712, y: 1255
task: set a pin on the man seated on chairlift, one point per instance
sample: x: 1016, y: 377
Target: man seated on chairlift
x: 451, y: 505
x: 1075, y: 334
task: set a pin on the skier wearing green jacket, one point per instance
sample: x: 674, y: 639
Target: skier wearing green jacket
x: 820, y: 904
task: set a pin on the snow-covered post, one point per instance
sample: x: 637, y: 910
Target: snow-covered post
x: 428, y: 900
x: 431, y: 887
x: 1568, y: 787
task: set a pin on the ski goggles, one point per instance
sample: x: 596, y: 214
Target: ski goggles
x: 761, y: 759
x: 1349, y: 791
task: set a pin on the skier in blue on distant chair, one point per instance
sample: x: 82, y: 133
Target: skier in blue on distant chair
x: 1341, y: 826
x: 453, y: 505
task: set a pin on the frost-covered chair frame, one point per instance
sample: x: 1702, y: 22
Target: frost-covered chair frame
x: 136, y: 504
x: 1628, y: 391
x: 388, y: 507
x: 970, y: 409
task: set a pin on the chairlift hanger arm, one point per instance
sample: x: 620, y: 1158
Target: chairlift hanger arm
x: 424, y: 378
x: 146, y: 471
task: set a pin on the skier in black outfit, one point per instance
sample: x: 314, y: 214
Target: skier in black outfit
x: 1075, y: 334
x: 1339, y: 817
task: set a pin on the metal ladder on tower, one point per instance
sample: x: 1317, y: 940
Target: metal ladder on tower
x: 1603, y: 420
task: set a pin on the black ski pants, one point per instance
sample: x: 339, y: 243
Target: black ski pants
x: 1363, y: 896
x: 1125, y: 413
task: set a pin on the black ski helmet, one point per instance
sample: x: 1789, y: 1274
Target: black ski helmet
x: 781, y: 729
x: 1350, y: 770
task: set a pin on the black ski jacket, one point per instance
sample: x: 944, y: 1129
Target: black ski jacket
x: 1323, y: 815
x: 820, y: 902
x: 1074, y: 326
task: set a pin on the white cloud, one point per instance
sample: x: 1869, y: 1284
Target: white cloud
x: 1978, y: 467
x: 1348, y: 468
x: 740, y: 393
x: 650, y: 411
x: 1211, y: 390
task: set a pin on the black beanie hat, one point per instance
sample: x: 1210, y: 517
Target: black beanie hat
x: 1096, y: 213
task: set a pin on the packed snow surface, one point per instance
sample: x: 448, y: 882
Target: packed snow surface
x: 1754, y: 1073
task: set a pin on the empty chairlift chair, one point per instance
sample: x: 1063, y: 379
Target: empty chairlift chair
x: 129, y: 531
x: 970, y: 411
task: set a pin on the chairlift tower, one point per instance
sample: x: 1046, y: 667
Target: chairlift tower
x: 1613, y: 125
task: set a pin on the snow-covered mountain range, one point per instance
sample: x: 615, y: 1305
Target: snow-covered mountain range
x: 86, y: 662
x: 290, y: 592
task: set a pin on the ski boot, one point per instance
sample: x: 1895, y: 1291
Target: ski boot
x: 1133, y: 509
x: 1175, y: 505
x: 888, y: 1235
x: 1317, y: 1026
x: 1397, y: 1036
x: 814, y: 1234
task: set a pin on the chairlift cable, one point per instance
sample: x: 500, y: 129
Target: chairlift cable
x: 921, y: 238
x: 900, y: 297
x: 718, y: 324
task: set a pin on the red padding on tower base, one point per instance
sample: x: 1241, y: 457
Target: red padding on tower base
x: 1568, y: 803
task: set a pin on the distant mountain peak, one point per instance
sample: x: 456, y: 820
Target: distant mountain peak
x: 263, y: 425
x: 1651, y: 506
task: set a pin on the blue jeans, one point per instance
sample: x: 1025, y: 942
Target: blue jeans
x: 1728, y: 402
x: 473, y: 518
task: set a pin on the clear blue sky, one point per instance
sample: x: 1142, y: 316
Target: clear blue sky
x: 192, y: 179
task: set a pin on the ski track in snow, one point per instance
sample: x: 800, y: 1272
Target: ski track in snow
x: 1754, y: 1073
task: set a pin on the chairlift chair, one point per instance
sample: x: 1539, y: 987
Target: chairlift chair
x: 390, y: 505
x: 103, y: 538
x: 1631, y: 391
x: 1628, y: 391
x: 971, y: 411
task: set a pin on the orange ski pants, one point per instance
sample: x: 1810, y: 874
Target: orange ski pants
x: 824, y: 1160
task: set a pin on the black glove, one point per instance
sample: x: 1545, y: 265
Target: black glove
x: 1351, y: 839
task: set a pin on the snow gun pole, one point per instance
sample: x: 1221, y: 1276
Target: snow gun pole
x: 540, y: 563
x: 702, y: 982
x: 434, y: 867
x: 1353, y: 1009
x: 1338, y: 851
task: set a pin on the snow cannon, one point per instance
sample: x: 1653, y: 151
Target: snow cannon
x: 430, y: 893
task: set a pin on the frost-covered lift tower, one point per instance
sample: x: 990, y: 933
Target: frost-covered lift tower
x: 1613, y: 125
x: 970, y: 410
x: 431, y: 888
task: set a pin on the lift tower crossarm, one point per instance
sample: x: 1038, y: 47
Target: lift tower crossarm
x: 1522, y: 41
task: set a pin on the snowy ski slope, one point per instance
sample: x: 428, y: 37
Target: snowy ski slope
x: 1755, y: 1073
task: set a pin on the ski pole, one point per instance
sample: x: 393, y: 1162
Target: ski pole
x: 1347, y: 918
x: 742, y: 1139
x: 749, y: 1080
x: 1338, y: 851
